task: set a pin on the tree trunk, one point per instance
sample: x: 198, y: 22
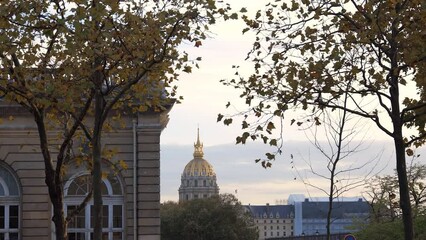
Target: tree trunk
x: 330, y: 206
x: 401, y: 167
x: 97, y: 170
x: 59, y: 220
x: 397, y: 121
x: 56, y: 194
x: 53, y: 181
x: 404, y: 194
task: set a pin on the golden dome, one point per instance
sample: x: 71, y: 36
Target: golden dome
x: 198, y: 166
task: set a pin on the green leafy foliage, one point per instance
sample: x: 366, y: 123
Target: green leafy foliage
x: 220, y: 217
x: 385, y: 231
x: 391, y: 230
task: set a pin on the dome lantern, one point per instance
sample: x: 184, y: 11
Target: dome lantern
x: 198, y: 147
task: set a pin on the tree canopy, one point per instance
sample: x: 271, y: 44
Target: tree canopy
x: 383, y: 193
x: 68, y: 60
x: 309, y: 54
x: 220, y: 217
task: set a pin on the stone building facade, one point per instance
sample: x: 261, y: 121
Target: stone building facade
x: 272, y: 221
x: 198, y: 179
x: 131, y: 197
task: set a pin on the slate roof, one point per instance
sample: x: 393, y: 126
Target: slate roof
x: 277, y: 211
x: 315, y: 210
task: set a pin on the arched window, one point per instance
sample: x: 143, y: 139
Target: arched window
x: 9, y: 205
x: 81, y: 226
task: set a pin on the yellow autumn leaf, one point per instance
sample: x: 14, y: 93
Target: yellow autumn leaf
x: 123, y: 164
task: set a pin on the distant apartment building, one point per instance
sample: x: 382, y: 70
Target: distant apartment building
x: 307, y: 216
x: 311, y: 214
x: 272, y: 220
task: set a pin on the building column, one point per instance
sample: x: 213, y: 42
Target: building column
x: 148, y: 131
x: 298, y: 219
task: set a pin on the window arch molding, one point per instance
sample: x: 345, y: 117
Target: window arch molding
x: 4, y: 189
x: 9, y: 180
x: 10, y: 203
x: 110, y: 189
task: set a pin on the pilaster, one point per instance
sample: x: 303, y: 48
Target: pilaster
x: 148, y: 132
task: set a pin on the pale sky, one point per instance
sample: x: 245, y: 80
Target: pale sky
x: 205, y: 97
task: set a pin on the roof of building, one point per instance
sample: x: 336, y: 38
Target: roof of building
x: 315, y: 210
x: 198, y: 166
x: 292, y: 198
x: 271, y: 211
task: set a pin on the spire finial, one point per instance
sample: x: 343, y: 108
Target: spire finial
x: 198, y: 146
